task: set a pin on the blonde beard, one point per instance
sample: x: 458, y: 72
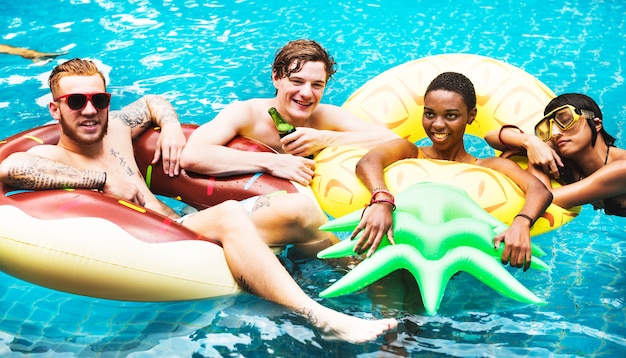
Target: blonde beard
x: 71, y: 133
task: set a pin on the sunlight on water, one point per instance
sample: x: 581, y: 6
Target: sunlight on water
x: 203, y: 55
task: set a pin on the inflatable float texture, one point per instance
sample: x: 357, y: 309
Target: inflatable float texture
x: 92, y: 244
x: 395, y: 98
x: 447, y: 212
x: 440, y: 234
x: 201, y: 191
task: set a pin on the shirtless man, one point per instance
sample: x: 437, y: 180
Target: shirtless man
x: 300, y: 73
x: 97, y: 153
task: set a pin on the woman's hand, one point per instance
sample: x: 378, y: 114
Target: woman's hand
x: 517, y: 247
x: 542, y: 155
x: 377, y: 221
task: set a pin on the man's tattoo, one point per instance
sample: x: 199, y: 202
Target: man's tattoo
x: 130, y: 116
x: 38, y: 174
x: 307, y: 313
x: 166, y: 114
x: 261, y: 202
x: 122, y: 162
x: 156, y: 112
x: 244, y: 285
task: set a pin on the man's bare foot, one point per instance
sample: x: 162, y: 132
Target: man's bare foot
x: 336, y: 326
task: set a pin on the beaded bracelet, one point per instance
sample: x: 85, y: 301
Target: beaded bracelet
x: 390, y: 202
x: 377, y: 191
x: 500, y: 134
x: 374, y: 201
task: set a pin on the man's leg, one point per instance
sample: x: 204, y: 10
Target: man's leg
x: 284, y: 219
x: 258, y: 271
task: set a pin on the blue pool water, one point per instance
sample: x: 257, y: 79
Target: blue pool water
x: 204, y: 54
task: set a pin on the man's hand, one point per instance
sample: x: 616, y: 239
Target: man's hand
x: 170, y: 147
x: 287, y: 166
x: 303, y: 142
x: 124, y: 190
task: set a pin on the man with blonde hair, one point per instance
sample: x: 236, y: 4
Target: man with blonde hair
x: 95, y: 151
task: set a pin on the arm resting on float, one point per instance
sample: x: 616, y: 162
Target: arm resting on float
x: 370, y: 169
x: 28, y: 171
x: 377, y: 220
x: 507, y: 137
x: 540, y: 154
x: 606, y: 182
x: 537, y: 197
x: 156, y: 111
x: 147, y: 112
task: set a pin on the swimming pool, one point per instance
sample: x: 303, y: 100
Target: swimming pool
x: 204, y: 54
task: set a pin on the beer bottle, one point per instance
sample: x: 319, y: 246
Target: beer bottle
x: 283, y: 127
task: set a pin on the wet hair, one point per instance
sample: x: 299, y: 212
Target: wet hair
x: 455, y: 82
x: 588, y: 107
x: 74, y: 67
x: 301, y: 52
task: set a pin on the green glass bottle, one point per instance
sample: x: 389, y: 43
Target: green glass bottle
x: 283, y: 127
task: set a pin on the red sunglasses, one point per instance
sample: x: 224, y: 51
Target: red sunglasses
x: 78, y: 101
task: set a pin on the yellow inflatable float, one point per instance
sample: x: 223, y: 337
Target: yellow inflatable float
x: 395, y: 98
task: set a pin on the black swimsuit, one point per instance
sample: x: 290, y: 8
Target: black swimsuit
x: 611, y: 207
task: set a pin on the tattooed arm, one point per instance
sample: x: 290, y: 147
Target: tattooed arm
x: 155, y: 111
x: 29, y: 171
x: 147, y: 112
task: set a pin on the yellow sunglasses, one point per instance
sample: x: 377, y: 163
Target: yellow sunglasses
x: 565, y: 117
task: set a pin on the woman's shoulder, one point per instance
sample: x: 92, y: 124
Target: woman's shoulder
x: 618, y: 154
x: 496, y: 163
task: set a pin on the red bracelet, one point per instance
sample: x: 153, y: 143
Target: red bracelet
x: 377, y: 191
x: 390, y: 202
x: 373, y: 201
x: 500, y: 134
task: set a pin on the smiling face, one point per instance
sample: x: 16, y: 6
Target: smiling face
x: 299, y: 94
x: 85, y: 126
x: 445, y: 117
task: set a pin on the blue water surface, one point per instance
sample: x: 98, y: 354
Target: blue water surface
x: 202, y: 55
